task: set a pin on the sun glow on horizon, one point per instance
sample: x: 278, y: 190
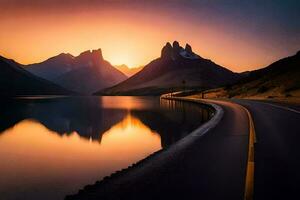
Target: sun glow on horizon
x: 133, y: 37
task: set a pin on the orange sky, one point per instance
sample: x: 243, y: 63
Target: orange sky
x: 133, y: 36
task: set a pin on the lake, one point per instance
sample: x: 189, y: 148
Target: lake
x: 52, y: 147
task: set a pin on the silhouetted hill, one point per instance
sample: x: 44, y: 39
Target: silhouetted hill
x: 15, y: 81
x: 129, y: 71
x: 85, y: 73
x: 176, y: 68
x: 53, y: 67
x: 280, y: 79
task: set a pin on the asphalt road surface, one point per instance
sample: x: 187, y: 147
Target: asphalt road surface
x: 277, y: 151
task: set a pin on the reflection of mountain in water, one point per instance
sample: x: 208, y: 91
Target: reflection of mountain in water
x: 62, y: 115
x: 172, y: 127
x: 90, y: 120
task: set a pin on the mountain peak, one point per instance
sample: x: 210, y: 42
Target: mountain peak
x: 66, y: 54
x: 176, y: 45
x: 63, y: 57
x: 188, y: 48
x: 97, y: 52
x: 166, y: 51
x: 87, y: 52
x: 94, y: 54
x: 176, y: 51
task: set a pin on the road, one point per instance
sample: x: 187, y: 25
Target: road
x: 277, y: 151
x: 212, y: 167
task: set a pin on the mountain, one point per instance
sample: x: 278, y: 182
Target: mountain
x: 280, y: 79
x: 85, y: 73
x: 176, y: 68
x: 128, y: 71
x: 53, y: 67
x: 15, y: 81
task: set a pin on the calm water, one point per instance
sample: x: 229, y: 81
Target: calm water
x: 52, y: 147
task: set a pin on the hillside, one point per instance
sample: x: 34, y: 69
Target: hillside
x: 85, y: 73
x: 177, y: 68
x: 280, y: 79
x: 15, y: 81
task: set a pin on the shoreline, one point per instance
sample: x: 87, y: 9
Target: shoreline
x: 154, y: 160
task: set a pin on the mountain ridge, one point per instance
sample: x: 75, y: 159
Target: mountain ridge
x: 280, y: 79
x: 177, y: 67
x: 79, y: 73
x: 16, y: 81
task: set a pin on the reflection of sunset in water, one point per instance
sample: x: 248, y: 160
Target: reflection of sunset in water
x: 68, y: 162
x: 130, y: 136
x: 128, y: 102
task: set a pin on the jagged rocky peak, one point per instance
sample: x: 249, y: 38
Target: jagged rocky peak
x: 188, y: 53
x: 85, y: 53
x: 96, y: 54
x: 188, y: 49
x: 175, y: 51
x: 176, y: 47
x: 166, y: 51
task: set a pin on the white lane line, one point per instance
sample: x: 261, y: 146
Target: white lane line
x: 283, y: 107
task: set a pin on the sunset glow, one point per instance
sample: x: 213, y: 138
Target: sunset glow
x: 149, y: 99
x: 133, y: 34
x: 68, y: 162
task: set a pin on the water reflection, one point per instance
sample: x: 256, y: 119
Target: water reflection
x: 86, y: 116
x: 38, y: 163
x: 130, y: 137
x: 53, y: 147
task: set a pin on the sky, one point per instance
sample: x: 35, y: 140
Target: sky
x: 237, y: 34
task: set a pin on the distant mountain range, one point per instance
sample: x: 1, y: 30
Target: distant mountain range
x: 129, y: 71
x: 84, y: 74
x: 16, y: 81
x: 177, y: 68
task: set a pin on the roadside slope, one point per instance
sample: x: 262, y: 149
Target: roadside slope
x: 279, y: 80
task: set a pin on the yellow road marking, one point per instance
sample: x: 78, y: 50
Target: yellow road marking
x: 249, y: 187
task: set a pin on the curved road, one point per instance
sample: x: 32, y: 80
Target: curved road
x: 277, y: 151
x: 212, y: 167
